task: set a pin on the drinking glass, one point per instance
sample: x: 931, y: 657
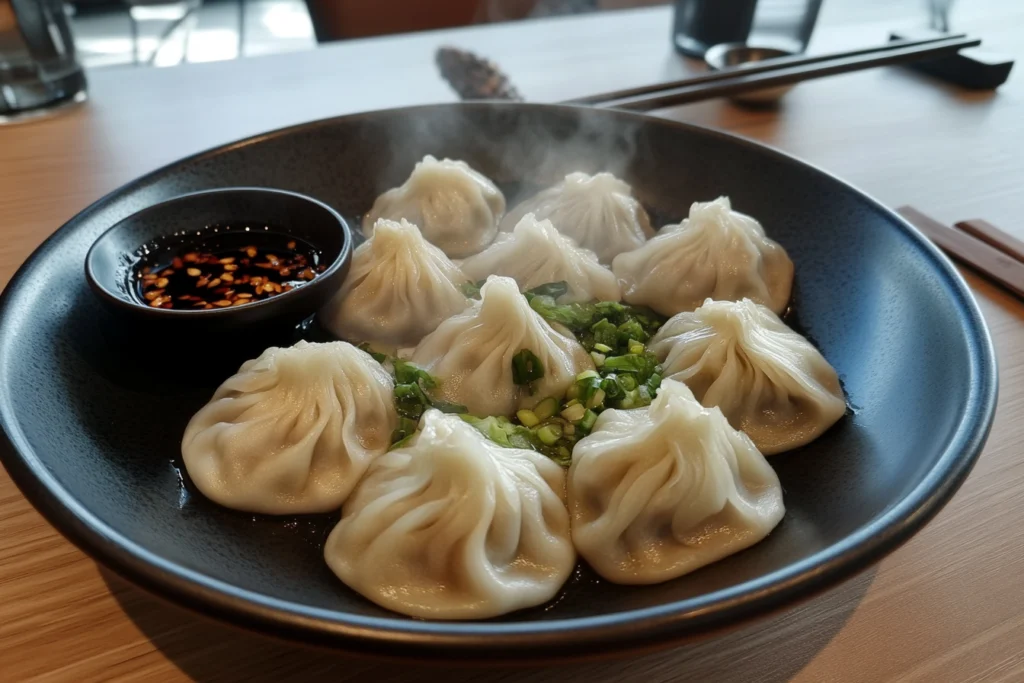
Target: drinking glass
x: 38, y: 67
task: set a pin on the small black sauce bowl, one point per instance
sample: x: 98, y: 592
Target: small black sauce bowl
x: 242, y: 329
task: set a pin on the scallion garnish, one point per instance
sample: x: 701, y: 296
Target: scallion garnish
x: 472, y: 289
x: 526, y: 368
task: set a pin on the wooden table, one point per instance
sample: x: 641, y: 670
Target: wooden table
x: 949, y: 606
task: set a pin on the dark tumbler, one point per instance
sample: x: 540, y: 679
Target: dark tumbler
x: 699, y: 24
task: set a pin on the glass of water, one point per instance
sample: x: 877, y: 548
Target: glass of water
x: 38, y: 67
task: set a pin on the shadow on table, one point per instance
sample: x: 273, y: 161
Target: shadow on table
x: 771, y: 650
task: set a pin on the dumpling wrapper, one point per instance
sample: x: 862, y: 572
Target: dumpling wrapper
x: 292, y: 431
x: 456, y: 208
x: 399, y: 288
x: 471, y: 353
x: 659, y: 492
x: 768, y: 380
x: 597, y: 211
x: 536, y: 254
x: 453, y: 526
x: 716, y: 253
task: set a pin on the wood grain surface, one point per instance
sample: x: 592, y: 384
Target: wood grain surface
x: 948, y: 606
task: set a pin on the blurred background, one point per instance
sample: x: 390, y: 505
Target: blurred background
x: 160, y: 34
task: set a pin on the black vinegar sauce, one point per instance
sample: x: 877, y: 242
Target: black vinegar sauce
x: 222, y: 266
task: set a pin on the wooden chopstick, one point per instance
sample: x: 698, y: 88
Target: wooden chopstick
x: 990, y: 234
x: 756, y: 67
x: 743, y: 80
x: 997, y: 264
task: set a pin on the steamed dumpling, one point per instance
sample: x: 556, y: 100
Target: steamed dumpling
x: 768, y: 380
x: 471, y: 353
x: 456, y: 208
x: 598, y: 211
x: 399, y: 288
x: 717, y: 253
x: 453, y: 526
x: 658, y: 492
x: 534, y: 254
x: 293, y: 430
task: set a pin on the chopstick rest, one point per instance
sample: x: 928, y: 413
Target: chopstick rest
x: 975, y: 67
x: 964, y: 246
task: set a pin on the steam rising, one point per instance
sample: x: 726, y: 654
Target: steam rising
x: 521, y: 148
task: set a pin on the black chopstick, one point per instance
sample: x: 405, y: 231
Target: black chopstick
x: 757, y: 67
x: 782, y: 71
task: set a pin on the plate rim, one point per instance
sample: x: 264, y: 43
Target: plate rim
x: 548, y: 640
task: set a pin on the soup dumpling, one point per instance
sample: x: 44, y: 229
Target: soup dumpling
x: 597, y: 211
x: 471, y: 353
x: 455, y: 207
x: 661, y: 491
x: 292, y: 431
x: 453, y: 526
x: 716, y: 252
x: 536, y: 254
x: 399, y: 288
x: 768, y: 380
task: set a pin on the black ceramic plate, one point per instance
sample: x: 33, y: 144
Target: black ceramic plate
x: 93, y: 420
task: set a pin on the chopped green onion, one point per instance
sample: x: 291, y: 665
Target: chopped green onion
x: 587, y: 422
x: 631, y: 330
x: 627, y: 382
x: 401, y: 442
x: 573, y: 316
x: 379, y: 357
x: 605, y: 333
x: 552, y: 289
x: 526, y: 367
x: 549, y: 434
x: 574, y: 413
x: 606, y: 322
x: 472, y: 289
x: 569, y: 429
x: 635, y: 347
x: 497, y: 434
x: 610, y: 387
x: 528, y: 418
x: 522, y: 439
x: 409, y: 373
x: 597, y: 400
x: 404, y: 431
x: 546, y: 408
x: 586, y: 385
x: 411, y: 400
x: 631, y: 399
x: 640, y: 364
x: 598, y: 357
x: 573, y: 391
x: 447, y: 407
x: 602, y: 348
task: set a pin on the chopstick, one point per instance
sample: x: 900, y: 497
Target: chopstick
x: 1002, y: 261
x: 990, y: 234
x: 755, y: 68
x: 742, y: 79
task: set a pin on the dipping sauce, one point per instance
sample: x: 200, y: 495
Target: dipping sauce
x: 223, y: 266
